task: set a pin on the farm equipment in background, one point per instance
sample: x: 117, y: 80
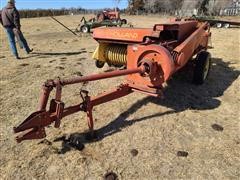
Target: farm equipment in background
x: 151, y: 57
x: 113, y: 15
x: 63, y: 25
x: 106, y: 18
x: 86, y: 26
x: 216, y: 22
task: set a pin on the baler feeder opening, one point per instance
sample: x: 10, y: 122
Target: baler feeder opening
x: 112, y: 54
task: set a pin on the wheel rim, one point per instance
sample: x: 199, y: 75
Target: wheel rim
x: 206, y: 69
x: 85, y: 29
x: 226, y: 25
x: 219, y: 25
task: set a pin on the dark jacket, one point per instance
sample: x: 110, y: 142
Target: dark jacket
x: 10, y: 16
x: 1, y: 17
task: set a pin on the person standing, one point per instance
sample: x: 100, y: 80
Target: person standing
x: 16, y: 34
x: 11, y: 22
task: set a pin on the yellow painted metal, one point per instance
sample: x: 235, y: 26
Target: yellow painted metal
x: 99, y: 52
x: 116, y: 54
x: 113, y: 54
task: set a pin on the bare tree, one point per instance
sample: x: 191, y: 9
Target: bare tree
x: 116, y: 4
x: 205, y: 7
x: 134, y: 6
x: 216, y: 6
x: 155, y: 6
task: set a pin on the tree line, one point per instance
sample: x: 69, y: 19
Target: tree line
x: 170, y: 7
x: 177, y: 7
x: 29, y: 13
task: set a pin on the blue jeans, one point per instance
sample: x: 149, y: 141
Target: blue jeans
x: 12, y: 42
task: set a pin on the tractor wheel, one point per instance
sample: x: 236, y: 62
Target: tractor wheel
x: 219, y: 25
x: 85, y: 29
x: 226, y: 25
x: 99, y: 64
x: 116, y: 22
x: 202, y: 67
x: 124, y: 21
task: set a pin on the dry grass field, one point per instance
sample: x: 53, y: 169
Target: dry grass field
x: 193, y: 133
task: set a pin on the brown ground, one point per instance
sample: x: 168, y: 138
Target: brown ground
x: 203, y: 121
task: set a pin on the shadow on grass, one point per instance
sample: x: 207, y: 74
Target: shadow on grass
x: 58, y: 53
x: 42, y: 55
x: 180, y: 95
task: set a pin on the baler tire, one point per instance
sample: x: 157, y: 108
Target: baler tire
x: 99, y: 64
x: 85, y: 29
x: 202, y: 67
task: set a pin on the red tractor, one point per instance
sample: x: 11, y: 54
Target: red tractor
x: 108, y: 18
x: 112, y: 15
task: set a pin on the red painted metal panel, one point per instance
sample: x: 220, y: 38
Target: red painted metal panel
x: 123, y: 34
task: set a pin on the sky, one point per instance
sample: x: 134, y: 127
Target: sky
x: 48, y: 4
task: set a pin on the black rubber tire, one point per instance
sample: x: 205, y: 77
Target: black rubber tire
x: 124, y: 21
x: 85, y: 29
x: 99, y: 64
x: 202, y: 67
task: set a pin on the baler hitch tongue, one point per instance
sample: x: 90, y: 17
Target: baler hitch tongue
x: 30, y: 134
x: 33, y: 126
